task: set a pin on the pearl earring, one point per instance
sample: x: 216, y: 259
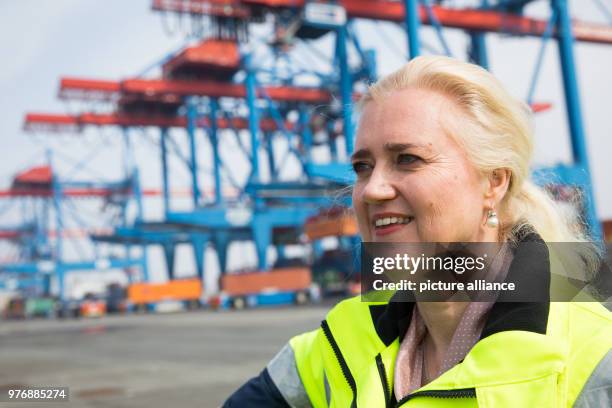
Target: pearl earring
x: 492, y: 220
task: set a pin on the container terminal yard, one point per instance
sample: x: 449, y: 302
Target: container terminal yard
x: 191, y: 359
x: 171, y: 216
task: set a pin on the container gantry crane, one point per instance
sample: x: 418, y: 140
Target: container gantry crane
x: 189, y: 74
x: 312, y: 19
x: 46, y: 204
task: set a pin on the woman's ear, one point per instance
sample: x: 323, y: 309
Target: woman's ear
x: 498, y: 182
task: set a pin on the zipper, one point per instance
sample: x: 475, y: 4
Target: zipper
x: 383, y: 379
x: 459, y: 393
x: 343, y: 366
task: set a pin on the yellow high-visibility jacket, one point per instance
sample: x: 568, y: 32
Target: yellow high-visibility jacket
x: 546, y: 354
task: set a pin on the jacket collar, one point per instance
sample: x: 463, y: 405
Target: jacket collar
x: 392, y: 319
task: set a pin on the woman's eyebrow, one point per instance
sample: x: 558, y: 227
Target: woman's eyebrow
x: 392, y: 147
x: 361, y: 154
x: 398, y: 147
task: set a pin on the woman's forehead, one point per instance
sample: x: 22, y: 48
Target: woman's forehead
x: 410, y: 116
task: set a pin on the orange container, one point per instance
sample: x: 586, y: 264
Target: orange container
x: 183, y: 289
x: 323, y: 226
x: 281, y: 279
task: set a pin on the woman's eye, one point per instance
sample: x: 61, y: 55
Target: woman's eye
x: 407, y: 159
x: 359, y: 167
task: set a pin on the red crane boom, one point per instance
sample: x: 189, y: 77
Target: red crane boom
x: 58, y: 122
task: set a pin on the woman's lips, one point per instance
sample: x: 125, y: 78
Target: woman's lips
x: 389, y: 229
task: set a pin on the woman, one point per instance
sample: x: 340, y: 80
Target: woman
x: 442, y: 155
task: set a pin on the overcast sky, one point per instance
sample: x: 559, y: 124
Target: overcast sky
x: 110, y: 39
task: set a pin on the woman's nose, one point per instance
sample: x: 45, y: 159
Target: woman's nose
x: 378, y: 189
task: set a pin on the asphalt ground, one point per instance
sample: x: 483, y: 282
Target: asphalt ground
x: 190, y: 359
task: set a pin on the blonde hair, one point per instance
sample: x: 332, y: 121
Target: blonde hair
x: 497, y: 133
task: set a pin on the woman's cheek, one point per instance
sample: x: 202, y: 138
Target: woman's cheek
x: 430, y: 203
x: 361, y: 213
x: 364, y: 230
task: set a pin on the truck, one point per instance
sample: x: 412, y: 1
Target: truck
x: 336, y: 270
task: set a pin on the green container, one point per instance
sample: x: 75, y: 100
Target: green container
x: 40, y: 307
